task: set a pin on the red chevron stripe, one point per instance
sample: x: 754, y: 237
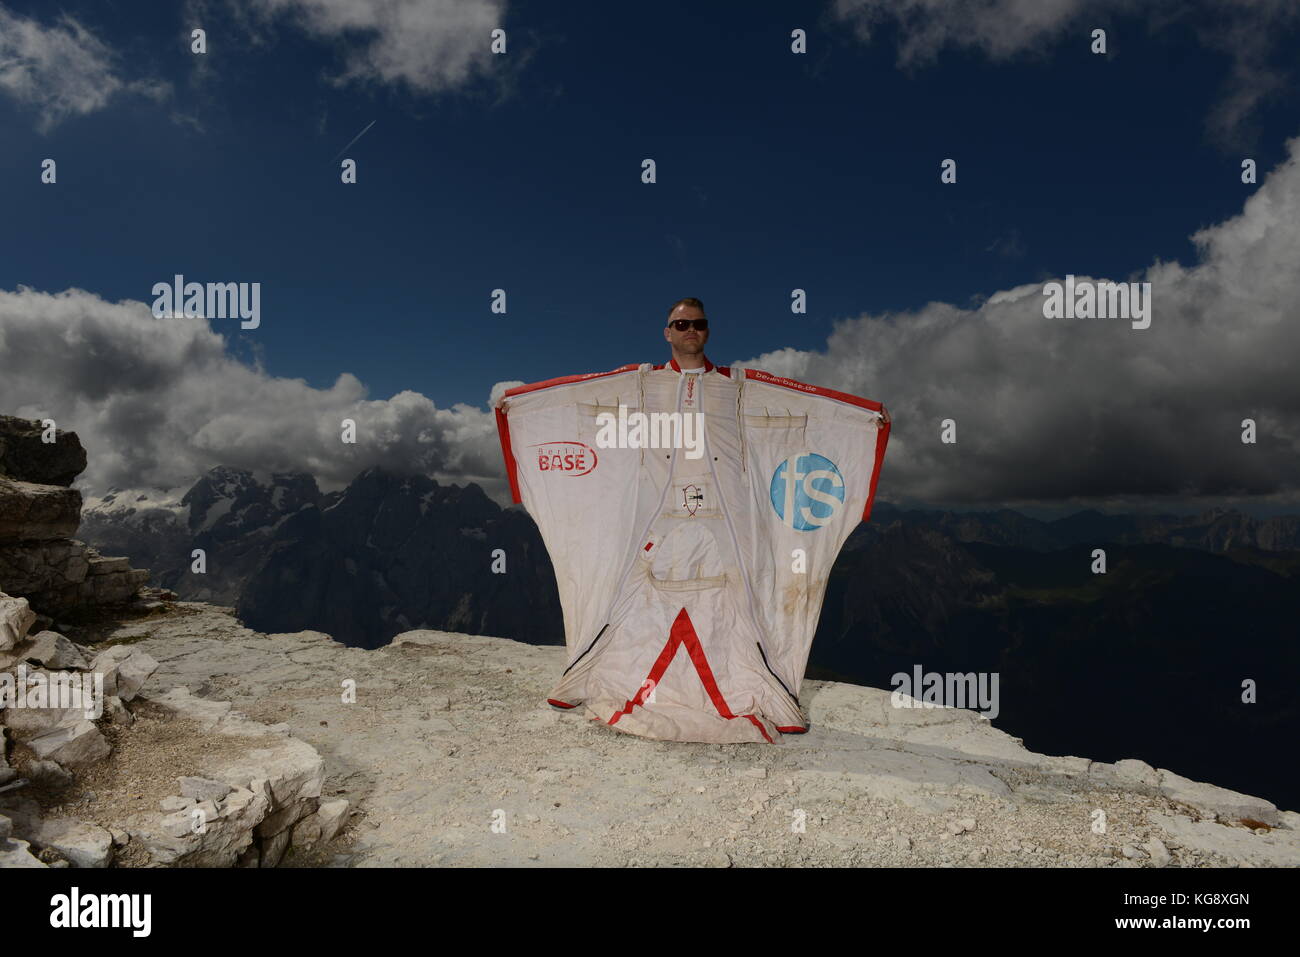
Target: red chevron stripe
x: 683, y: 633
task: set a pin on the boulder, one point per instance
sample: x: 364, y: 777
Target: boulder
x: 125, y: 670
x: 52, y: 650
x: 16, y: 616
x: 25, y: 455
x: 293, y: 770
x: 73, y: 745
x: 26, y: 723
x: 51, y: 700
x: 1133, y: 771
x: 84, y: 845
x: 332, y: 815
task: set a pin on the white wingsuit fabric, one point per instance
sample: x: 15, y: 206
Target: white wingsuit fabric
x: 691, y: 588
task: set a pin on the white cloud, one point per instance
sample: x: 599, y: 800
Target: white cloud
x: 158, y: 401
x: 63, y: 69
x: 428, y: 45
x: 1094, y: 411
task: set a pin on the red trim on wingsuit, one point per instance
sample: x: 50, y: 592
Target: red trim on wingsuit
x: 566, y: 379
x: 512, y: 472
x: 882, y: 439
x: 683, y: 633
x: 708, y: 366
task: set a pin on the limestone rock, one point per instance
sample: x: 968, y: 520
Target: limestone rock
x: 292, y: 769
x: 49, y: 774
x: 179, y: 824
x: 1213, y: 800
x: 226, y: 833
x: 332, y: 815
x: 117, y: 712
x: 18, y: 854
x: 306, y: 832
x: 203, y: 789
x: 125, y: 670
x: 72, y: 745
x: 33, y: 512
x: 285, y: 817
x: 1239, y: 846
x: 52, y: 650
x: 206, y: 713
x: 25, y: 455
x: 16, y: 616
x: 84, y: 845
x: 27, y: 722
x: 1133, y: 771
x: 1160, y: 856
x: 273, y: 849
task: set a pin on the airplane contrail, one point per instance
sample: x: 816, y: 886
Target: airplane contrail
x: 355, y: 138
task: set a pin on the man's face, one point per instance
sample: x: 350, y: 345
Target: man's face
x: 692, y: 340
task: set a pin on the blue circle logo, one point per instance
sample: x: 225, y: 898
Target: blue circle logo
x: 807, y: 491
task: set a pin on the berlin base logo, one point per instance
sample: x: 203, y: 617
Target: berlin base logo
x: 566, y: 457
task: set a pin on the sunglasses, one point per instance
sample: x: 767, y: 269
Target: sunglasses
x: 681, y: 325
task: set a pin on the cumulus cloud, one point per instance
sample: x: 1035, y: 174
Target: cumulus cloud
x: 157, y: 402
x: 1093, y: 411
x: 1246, y: 31
x: 62, y: 69
x: 427, y: 45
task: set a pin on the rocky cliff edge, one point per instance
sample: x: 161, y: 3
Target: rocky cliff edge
x: 449, y: 756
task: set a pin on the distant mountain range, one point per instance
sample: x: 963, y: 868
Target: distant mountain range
x: 387, y: 554
x: 1155, y: 650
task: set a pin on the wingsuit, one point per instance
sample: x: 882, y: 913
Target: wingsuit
x: 691, y: 586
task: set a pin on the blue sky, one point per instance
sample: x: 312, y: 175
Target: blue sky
x: 775, y: 171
